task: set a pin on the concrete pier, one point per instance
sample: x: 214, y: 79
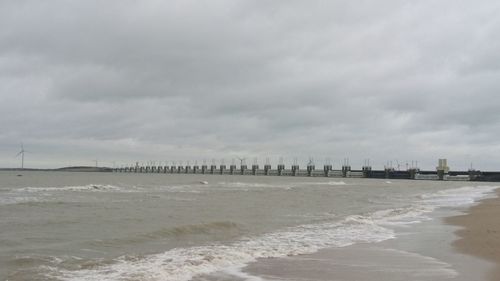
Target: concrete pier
x: 346, y: 170
x: 441, y: 172
x: 367, y: 170
x: 310, y: 170
x: 413, y: 173
x: 281, y: 169
x: 326, y: 169
x: 255, y: 168
x: 267, y: 169
x: 388, y: 172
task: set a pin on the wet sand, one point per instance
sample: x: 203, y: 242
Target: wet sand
x: 480, y: 233
x: 423, y: 252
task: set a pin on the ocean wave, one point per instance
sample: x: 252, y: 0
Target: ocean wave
x: 184, y: 231
x: 180, y: 188
x: 184, y: 263
x: 323, y: 183
x: 242, y: 185
x: 181, y: 264
x: 457, y: 196
x: 89, y: 187
x: 19, y: 200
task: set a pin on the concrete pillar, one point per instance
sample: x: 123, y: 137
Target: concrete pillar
x: 195, y: 169
x: 474, y: 175
x: 413, y: 173
x: 242, y: 169
x: 267, y: 169
x: 367, y: 171
x: 295, y: 170
x: 188, y: 169
x: 213, y: 168
x: 345, y: 170
x: 203, y: 169
x: 440, y: 174
x: 281, y: 168
x: 255, y: 167
x: 326, y: 169
x: 222, y: 169
x: 310, y: 169
x: 232, y: 169
x: 388, y: 172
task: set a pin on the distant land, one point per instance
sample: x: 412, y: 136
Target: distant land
x: 64, y: 169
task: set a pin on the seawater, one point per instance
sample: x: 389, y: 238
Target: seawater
x: 114, y: 226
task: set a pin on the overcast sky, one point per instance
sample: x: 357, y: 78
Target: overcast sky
x: 128, y: 81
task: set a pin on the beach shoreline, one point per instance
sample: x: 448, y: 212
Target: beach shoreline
x: 430, y: 250
x: 479, y: 234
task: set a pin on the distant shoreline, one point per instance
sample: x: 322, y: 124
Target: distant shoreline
x: 64, y: 169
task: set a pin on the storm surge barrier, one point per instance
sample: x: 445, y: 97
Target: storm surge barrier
x: 310, y: 171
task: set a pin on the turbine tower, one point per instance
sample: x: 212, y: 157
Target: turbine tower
x: 22, y: 155
x: 242, y: 160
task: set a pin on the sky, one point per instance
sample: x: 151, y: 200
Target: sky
x: 122, y: 81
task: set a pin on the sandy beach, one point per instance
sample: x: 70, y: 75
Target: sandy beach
x: 480, y: 235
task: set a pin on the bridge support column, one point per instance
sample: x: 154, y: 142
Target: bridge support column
x: 310, y: 169
x: 367, y: 171
x: 267, y: 169
x: 281, y: 168
x: 255, y: 167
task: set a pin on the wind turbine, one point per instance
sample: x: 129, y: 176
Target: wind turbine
x: 22, y: 155
x: 242, y: 160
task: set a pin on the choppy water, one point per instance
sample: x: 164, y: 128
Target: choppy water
x: 103, y: 226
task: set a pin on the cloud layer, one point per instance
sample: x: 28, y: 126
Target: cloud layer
x: 126, y: 81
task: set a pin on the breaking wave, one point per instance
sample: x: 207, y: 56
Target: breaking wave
x: 89, y: 187
x: 181, y: 264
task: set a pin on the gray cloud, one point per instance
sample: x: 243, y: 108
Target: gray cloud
x: 130, y: 81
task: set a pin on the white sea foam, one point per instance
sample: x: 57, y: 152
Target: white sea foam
x: 238, y: 272
x: 11, y: 200
x: 181, y: 264
x: 89, y: 187
x: 457, y: 196
x: 322, y: 183
x: 250, y: 185
x: 184, y: 263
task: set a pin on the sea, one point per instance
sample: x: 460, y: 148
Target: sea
x: 129, y: 226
